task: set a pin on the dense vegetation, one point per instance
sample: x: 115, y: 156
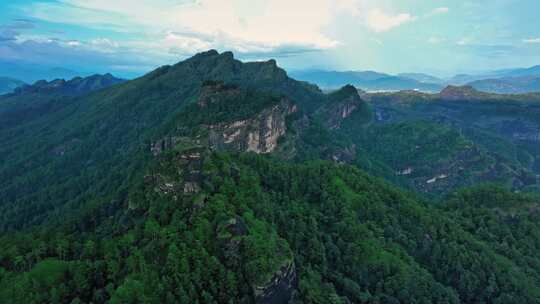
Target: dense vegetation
x: 351, y: 237
x: 90, y: 214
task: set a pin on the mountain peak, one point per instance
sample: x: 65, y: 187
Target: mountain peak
x: 345, y: 92
x: 209, y: 53
x: 460, y: 93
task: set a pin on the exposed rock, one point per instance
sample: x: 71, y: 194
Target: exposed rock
x: 436, y: 178
x: 259, y: 134
x: 191, y: 187
x: 214, y: 92
x: 280, y: 288
x: 407, y: 171
x: 345, y: 155
x: 170, y: 142
x: 162, y: 145
x: 187, y: 177
x: 341, y: 105
x: 230, y: 233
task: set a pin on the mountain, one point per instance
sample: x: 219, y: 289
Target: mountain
x: 469, y: 137
x: 508, y: 81
x: 462, y: 93
x: 29, y: 102
x: 519, y: 72
x: 219, y: 181
x: 335, y: 79
x: 366, y: 80
x: 509, y: 85
x: 101, y: 132
x: 75, y: 86
x: 8, y: 85
x: 425, y: 78
x: 30, y: 73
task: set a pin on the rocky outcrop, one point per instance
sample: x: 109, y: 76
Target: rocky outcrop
x: 281, y: 284
x: 345, y: 155
x: 213, y: 92
x: 280, y: 288
x: 230, y: 233
x: 163, y: 144
x: 341, y: 104
x: 187, y: 177
x: 259, y: 134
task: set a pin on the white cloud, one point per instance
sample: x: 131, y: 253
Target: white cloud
x: 239, y: 25
x: 380, y: 21
x: 439, y: 11
x: 73, y: 43
x: 531, y: 40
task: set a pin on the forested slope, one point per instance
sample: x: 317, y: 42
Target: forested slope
x: 217, y: 181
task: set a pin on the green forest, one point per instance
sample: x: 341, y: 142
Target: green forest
x: 145, y: 192
x: 348, y: 236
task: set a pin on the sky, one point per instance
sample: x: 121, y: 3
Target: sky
x: 129, y: 38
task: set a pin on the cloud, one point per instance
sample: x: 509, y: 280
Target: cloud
x: 7, y: 35
x: 531, y: 40
x: 492, y: 51
x: 246, y: 23
x: 10, y: 31
x: 438, y: 11
x: 21, y: 24
x: 380, y: 21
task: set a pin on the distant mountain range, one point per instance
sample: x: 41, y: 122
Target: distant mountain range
x: 462, y: 79
x: 29, y: 102
x: 31, y: 73
x: 509, y: 81
x: 75, y: 86
x: 368, y: 80
x: 7, y: 85
x: 506, y: 81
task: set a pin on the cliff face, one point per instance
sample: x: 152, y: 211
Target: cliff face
x: 341, y: 104
x: 259, y: 134
x: 254, y: 122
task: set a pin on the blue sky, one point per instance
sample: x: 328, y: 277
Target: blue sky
x: 129, y: 38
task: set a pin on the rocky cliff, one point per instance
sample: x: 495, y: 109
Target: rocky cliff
x: 259, y: 134
x: 280, y: 288
x: 340, y: 105
x: 227, y: 117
